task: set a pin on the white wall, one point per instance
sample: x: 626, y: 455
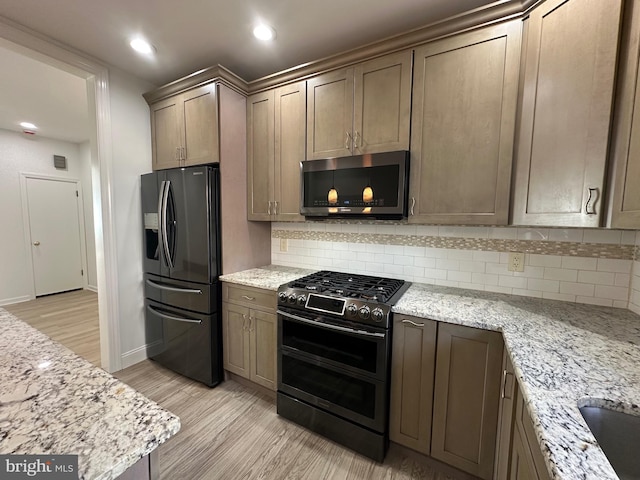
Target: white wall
x: 19, y: 153
x: 131, y: 132
x: 87, y: 202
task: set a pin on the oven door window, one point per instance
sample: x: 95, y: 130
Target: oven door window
x: 362, y: 353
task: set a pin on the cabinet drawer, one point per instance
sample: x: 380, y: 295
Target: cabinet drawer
x: 249, y: 296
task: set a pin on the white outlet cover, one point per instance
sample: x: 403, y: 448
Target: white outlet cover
x: 516, y: 262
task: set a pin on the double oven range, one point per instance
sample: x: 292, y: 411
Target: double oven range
x: 334, y: 356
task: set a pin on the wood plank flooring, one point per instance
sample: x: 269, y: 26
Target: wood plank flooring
x: 69, y: 318
x: 233, y: 432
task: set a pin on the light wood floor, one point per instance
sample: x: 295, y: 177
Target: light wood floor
x: 233, y: 432
x: 69, y: 318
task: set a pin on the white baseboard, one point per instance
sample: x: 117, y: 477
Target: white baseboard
x: 10, y: 301
x: 92, y: 288
x: 137, y: 355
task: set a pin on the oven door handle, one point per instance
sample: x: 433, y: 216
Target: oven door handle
x: 331, y: 327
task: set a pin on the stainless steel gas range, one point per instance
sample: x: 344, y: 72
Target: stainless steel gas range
x: 334, y: 356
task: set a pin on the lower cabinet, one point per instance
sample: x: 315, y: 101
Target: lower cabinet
x: 249, y: 329
x: 459, y: 368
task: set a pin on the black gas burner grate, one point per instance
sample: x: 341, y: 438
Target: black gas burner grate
x: 365, y: 287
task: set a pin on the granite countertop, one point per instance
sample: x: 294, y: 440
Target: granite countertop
x: 565, y: 355
x: 269, y: 277
x: 53, y: 402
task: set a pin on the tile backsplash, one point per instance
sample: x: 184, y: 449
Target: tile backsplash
x: 576, y: 265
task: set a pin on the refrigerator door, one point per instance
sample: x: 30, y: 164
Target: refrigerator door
x: 196, y: 297
x: 185, y: 342
x: 189, y: 214
x: 151, y: 201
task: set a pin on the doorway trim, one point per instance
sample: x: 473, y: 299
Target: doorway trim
x: 26, y: 221
x: 52, y: 52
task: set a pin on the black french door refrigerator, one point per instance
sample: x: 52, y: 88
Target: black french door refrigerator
x: 180, y: 210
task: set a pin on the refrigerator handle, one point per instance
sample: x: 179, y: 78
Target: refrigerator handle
x: 171, y: 317
x: 173, y: 289
x: 164, y: 200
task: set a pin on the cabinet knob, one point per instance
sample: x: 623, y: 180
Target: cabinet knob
x: 36, y: 243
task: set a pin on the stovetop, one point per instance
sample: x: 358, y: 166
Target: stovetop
x: 360, y: 298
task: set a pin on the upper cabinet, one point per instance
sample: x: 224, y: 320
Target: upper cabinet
x: 275, y: 148
x: 184, y: 129
x: 464, y: 111
x: 625, y: 207
x: 568, y: 84
x: 361, y: 109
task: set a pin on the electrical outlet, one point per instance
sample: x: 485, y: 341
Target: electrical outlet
x: 516, y: 262
x: 284, y: 245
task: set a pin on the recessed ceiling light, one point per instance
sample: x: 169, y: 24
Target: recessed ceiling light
x: 142, y: 46
x: 264, y: 32
x: 28, y: 125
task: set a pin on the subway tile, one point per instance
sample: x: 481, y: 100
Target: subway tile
x: 543, y: 285
x: 414, y: 251
x: 367, y: 229
x: 402, y: 260
x: 375, y: 248
x: 478, y: 256
x: 484, y: 278
x: 424, y: 262
x: 358, y: 247
x: 579, y: 263
x: 447, y: 283
x: 394, y: 269
x: 634, y: 308
x: 566, y: 234
x: 614, y: 293
x: 394, y: 249
x: 498, y: 269
x: 460, y: 254
x: 435, y: 252
x: 459, y: 276
x: 341, y: 246
x: 533, y: 233
x: 446, y: 231
x: 560, y: 274
x: 413, y: 271
x: 503, y: 233
x: 530, y: 272
x: 628, y: 237
x: 374, y: 267
x: 622, y: 280
x: 471, y: 286
x: 498, y: 289
x: 598, y: 278
x: 447, y: 264
x: 620, y: 304
x: 406, y: 229
x: 602, y: 236
x: 341, y: 264
x: 553, y: 261
x: 383, y: 258
x: 504, y: 258
x: 316, y: 227
x: 565, y: 297
x: 512, y: 282
x: 363, y: 256
x: 605, y: 302
x: 325, y: 263
x: 614, y: 265
x: 333, y: 227
x: 427, y: 230
x: 466, y: 266
x: 582, y: 289
x: 435, y: 273
x: 386, y: 229
x: 475, y: 232
x: 523, y: 292
x: 310, y: 243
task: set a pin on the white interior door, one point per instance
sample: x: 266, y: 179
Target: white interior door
x: 54, y: 226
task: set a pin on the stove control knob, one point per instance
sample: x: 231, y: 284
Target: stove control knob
x: 364, y: 312
x: 352, y: 310
x: 282, y: 297
x: 377, y: 314
x: 302, y: 300
x: 292, y: 298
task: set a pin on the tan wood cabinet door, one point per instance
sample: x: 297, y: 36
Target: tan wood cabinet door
x: 166, y: 134
x: 263, y: 328
x: 569, y: 73
x: 466, y: 398
x: 506, y: 417
x: 330, y: 114
x: 412, y: 372
x: 382, y: 108
x: 626, y: 134
x: 290, y: 136
x: 464, y: 112
x: 200, y: 118
x: 236, y: 345
x: 260, y: 155
x: 522, y: 467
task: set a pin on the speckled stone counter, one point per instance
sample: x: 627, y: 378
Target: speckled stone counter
x: 54, y: 402
x: 269, y: 277
x: 565, y: 355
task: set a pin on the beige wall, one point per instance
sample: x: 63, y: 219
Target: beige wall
x: 577, y: 265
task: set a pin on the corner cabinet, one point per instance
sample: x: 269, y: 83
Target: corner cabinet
x: 625, y: 208
x: 275, y: 148
x: 184, y: 129
x: 361, y: 109
x: 571, y: 52
x: 464, y: 112
x: 412, y: 370
x: 249, y: 331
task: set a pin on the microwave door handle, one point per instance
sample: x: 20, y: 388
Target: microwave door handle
x: 327, y: 326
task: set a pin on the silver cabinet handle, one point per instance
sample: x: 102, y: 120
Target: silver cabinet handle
x: 275, y: 208
x: 269, y: 208
x: 159, y: 286
x: 347, y: 143
x: 244, y: 322
x: 251, y: 299
x: 355, y: 140
x: 413, y: 204
x: 183, y: 152
x: 251, y: 324
x: 177, y: 155
x: 504, y: 385
x: 589, y: 207
x: 413, y: 323
x: 171, y: 317
x: 36, y: 243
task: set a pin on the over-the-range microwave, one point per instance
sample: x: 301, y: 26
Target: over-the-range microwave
x: 371, y: 185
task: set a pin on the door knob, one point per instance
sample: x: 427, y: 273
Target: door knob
x: 36, y: 243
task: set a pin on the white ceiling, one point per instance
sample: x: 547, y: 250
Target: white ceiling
x: 194, y: 34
